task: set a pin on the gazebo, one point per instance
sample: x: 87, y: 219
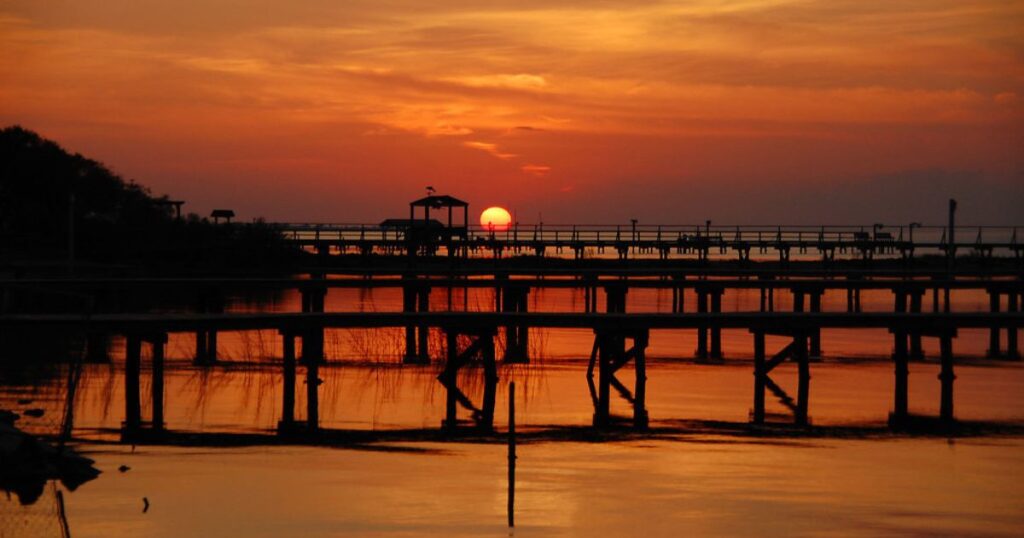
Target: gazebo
x: 225, y: 214
x: 441, y: 202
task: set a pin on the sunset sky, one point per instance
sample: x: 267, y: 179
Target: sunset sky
x: 751, y: 111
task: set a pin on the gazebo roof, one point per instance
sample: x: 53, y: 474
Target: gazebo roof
x: 439, y: 201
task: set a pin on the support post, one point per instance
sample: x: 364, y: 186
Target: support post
x: 201, y: 348
x: 803, y: 388
x: 451, y: 419
x: 408, y: 306
x: 946, y: 377
x: 702, y: 331
x: 423, y: 330
x: 132, y: 405
x: 158, y: 344
x: 993, y: 332
x: 288, y: 381
x: 916, y: 349
x: 716, y: 331
x: 211, y: 347
x: 312, y: 393
x: 602, y: 412
x: 490, y: 386
x: 514, y: 299
x: 640, y: 419
x: 815, y: 339
x: 759, y: 375
x: 1012, y: 304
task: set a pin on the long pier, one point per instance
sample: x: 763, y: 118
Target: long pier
x: 921, y: 307
x: 619, y: 338
x: 700, y: 242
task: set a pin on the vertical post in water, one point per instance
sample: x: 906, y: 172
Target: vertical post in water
x: 804, y: 379
x: 716, y: 331
x: 1012, y: 351
x: 759, y: 377
x: 132, y: 411
x: 993, y: 332
x: 288, y: 392
x: 702, y: 331
x: 312, y: 392
x: 950, y: 248
x: 946, y: 377
x: 158, y: 344
x: 511, y: 453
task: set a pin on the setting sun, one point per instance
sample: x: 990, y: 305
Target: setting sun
x: 495, y: 219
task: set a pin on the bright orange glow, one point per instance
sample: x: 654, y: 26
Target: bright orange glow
x: 597, y: 112
x: 495, y: 219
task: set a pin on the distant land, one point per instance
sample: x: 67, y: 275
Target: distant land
x: 117, y: 223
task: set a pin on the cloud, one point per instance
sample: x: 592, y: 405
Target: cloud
x: 520, y: 81
x: 489, y: 148
x: 449, y: 130
x: 536, y: 169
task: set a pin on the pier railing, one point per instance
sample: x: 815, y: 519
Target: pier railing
x: 668, y: 240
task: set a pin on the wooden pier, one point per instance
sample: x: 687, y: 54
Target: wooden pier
x: 705, y: 262
x: 664, y: 242
x: 619, y: 338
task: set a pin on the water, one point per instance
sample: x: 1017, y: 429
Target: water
x: 690, y: 478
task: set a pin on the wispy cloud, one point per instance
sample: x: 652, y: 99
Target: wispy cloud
x: 535, y: 169
x: 520, y: 81
x: 491, y: 149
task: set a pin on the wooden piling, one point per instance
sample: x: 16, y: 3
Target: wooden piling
x: 211, y: 347
x: 132, y: 405
x: 451, y: 419
x: 490, y: 389
x: 158, y: 344
x: 640, y: 388
x: 759, y: 377
x: 511, y: 453
x: 423, y: 299
x: 288, y: 382
x: 1012, y: 304
x: 602, y: 414
x: 716, y: 331
x: 201, y: 348
x: 702, y: 332
x: 916, y: 349
x: 815, y: 338
x: 946, y: 377
x: 993, y: 332
x: 804, y: 371
x: 312, y: 393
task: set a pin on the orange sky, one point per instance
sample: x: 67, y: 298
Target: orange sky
x: 566, y: 110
